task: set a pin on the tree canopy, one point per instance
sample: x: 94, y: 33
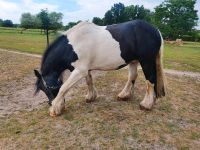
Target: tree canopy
x: 120, y: 13
x: 29, y: 21
x: 7, y: 23
x: 176, y: 18
x: 49, y: 21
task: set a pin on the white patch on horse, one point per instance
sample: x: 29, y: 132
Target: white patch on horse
x: 149, y: 98
x: 127, y: 91
x: 98, y: 51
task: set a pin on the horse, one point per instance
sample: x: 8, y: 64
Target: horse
x: 86, y: 47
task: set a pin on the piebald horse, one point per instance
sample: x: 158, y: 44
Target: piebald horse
x: 87, y: 47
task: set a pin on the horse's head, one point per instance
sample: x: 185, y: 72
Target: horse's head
x: 58, y: 57
x: 48, y: 84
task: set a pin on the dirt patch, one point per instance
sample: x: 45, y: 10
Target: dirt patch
x: 18, y: 95
x: 17, y: 83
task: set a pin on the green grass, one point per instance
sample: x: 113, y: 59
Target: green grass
x: 186, y: 57
x: 31, y: 41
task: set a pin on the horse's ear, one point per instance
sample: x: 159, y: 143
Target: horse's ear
x: 37, y: 74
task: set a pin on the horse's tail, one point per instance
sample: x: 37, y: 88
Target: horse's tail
x: 160, y: 84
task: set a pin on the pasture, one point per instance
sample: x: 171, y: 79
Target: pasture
x: 174, y: 123
x: 185, y: 57
x: 31, y: 41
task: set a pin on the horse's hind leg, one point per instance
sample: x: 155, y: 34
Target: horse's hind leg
x: 92, y: 94
x: 126, y: 93
x: 149, y: 69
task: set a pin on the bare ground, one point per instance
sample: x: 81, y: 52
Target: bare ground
x: 107, y: 123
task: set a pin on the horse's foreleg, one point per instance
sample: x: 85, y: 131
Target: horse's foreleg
x: 92, y: 94
x: 58, y: 103
x: 127, y: 91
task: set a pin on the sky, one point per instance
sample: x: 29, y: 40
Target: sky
x: 73, y: 10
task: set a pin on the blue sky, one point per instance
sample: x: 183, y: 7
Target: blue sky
x: 73, y: 10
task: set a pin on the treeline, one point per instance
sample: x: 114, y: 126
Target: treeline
x: 7, y: 23
x: 175, y: 18
x: 119, y: 13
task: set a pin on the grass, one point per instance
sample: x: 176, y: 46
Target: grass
x: 174, y: 122
x: 30, y: 41
x: 184, y: 57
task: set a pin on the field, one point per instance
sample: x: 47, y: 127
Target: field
x: 31, y: 41
x: 184, y: 57
x: 106, y: 123
x: 174, y: 123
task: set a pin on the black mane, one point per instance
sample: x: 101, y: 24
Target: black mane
x: 50, y: 48
x: 58, y: 56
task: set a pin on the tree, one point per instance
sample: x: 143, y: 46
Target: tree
x: 49, y: 21
x: 176, y: 18
x: 45, y: 23
x: 98, y: 21
x: 138, y: 12
x: 55, y: 20
x: 115, y: 15
x: 108, y: 18
x: 1, y: 22
x: 27, y: 21
x: 118, y: 11
x: 7, y: 23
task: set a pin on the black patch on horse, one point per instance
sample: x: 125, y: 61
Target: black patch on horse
x: 140, y: 41
x: 58, y: 56
x: 137, y: 39
x: 121, y: 66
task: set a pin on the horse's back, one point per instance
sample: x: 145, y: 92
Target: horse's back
x: 138, y: 39
x: 109, y: 47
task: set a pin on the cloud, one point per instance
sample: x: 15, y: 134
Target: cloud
x: 90, y: 8
x: 73, y: 10
x: 13, y: 10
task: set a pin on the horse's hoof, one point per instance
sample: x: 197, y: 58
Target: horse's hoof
x: 90, y: 100
x: 123, y: 99
x: 145, y: 108
x: 53, y: 112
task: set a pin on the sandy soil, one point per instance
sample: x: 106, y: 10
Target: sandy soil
x: 19, y: 95
x: 17, y: 88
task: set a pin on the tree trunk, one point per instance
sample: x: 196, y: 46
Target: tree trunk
x: 47, y: 38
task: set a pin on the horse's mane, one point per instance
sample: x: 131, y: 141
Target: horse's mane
x: 49, y: 49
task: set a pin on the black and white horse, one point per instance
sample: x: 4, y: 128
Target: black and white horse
x: 87, y: 47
